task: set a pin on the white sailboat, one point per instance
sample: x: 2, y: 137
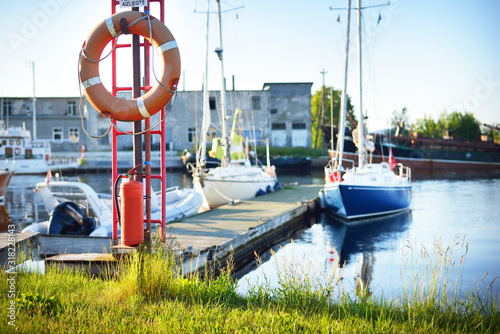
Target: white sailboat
x: 236, y: 179
x: 367, y: 190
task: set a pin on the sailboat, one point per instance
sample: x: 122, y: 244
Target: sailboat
x: 236, y: 179
x: 366, y: 190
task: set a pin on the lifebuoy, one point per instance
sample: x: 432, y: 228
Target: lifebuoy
x: 158, y: 96
x: 17, y: 150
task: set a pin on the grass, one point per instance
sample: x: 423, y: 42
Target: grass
x: 151, y: 294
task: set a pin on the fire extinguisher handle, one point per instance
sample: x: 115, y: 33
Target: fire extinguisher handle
x: 133, y: 171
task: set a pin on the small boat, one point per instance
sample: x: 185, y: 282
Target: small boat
x: 368, y: 189
x: 20, y: 153
x: 75, y: 208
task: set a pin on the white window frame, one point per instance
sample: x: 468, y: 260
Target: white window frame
x: 71, y: 108
x: 76, y: 133
x: 191, y: 135
x: 57, y: 131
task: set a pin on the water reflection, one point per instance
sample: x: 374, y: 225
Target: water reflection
x: 4, y: 218
x: 362, y: 242
x: 329, y: 246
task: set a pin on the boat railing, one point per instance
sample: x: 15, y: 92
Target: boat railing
x: 334, y: 165
x: 404, y: 171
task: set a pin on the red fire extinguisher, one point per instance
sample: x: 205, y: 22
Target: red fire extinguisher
x: 132, y: 210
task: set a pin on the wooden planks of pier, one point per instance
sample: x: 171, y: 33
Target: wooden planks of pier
x: 238, y: 229
x: 244, y: 227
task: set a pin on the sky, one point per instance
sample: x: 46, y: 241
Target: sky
x: 428, y: 56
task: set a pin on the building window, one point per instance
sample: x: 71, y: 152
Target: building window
x: 274, y: 111
x: 57, y: 134
x: 191, y: 135
x: 278, y: 126
x: 28, y: 109
x: 298, y: 126
x: 7, y: 107
x: 74, y: 135
x: 256, y: 102
x: 212, y: 103
x: 71, y: 108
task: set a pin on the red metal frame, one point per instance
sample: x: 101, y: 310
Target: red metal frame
x: 147, y: 136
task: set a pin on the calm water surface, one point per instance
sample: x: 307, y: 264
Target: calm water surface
x: 372, y: 252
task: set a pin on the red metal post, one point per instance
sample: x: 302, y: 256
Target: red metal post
x: 147, y: 124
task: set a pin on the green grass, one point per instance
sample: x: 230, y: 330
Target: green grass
x: 150, y: 294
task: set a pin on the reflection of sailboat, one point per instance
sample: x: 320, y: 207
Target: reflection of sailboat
x: 236, y: 178
x: 364, y: 239
x: 368, y: 189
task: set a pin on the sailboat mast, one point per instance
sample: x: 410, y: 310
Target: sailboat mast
x: 223, y: 88
x: 341, y: 135
x: 34, y: 104
x: 361, y: 127
x: 205, y: 124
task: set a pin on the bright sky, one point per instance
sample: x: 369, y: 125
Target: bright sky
x: 429, y: 56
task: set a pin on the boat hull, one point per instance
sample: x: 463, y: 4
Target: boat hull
x: 236, y: 183
x: 357, y: 201
x: 5, y: 176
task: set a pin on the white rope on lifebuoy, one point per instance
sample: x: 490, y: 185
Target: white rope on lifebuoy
x: 158, y: 96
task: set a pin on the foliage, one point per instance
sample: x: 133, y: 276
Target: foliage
x: 290, y: 151
x: 457, y: 125
x: 332, y: 96
x: 33, y: 303
x: 464, y: 126
x: 150, y: 294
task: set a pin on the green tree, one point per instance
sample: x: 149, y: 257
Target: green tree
x: 426, y: 127
x: 326, y: 116
x: 463, y: 126
x: 459, y: 125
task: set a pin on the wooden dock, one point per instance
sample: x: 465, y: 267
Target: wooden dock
x: 237, y: 230
x: 17, y: 247
x: 243, y: 228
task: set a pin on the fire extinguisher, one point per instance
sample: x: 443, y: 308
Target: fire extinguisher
x: 132, y: 210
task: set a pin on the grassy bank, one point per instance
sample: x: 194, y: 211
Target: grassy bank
x: 149, y: 294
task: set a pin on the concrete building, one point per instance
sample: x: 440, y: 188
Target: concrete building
x: 280, y: 112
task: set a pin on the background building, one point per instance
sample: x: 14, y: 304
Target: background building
x: 280, y: 112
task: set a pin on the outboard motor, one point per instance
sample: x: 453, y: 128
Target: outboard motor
x: 69, y: 218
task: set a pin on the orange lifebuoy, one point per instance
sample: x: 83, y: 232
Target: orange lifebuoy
x: 158, y: 96
x: 17, y: 150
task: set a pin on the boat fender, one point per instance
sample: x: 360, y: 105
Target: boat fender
x: 322, y: 202
x: 277, y: 186
x: 269, y: 189
x: 260, y: 192
x: 158, y: 96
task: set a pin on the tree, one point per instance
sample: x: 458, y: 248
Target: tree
x: 326, y: 116
x: 463, y: 126
x: 457, y: 124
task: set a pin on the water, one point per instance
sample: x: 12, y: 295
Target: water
x: 446, y: 210
x: 441, y: 208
